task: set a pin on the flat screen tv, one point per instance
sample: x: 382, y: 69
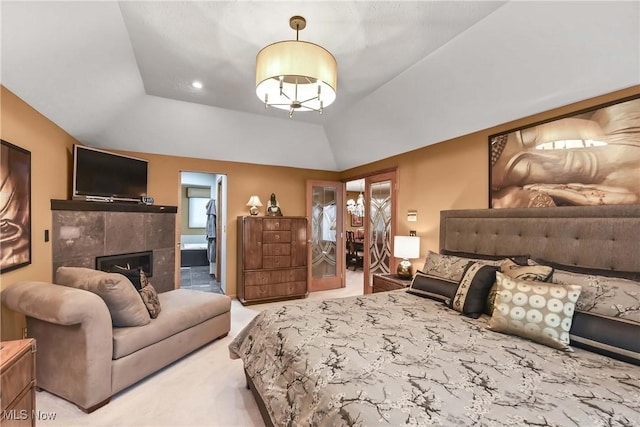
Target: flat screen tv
x: 103, y: 176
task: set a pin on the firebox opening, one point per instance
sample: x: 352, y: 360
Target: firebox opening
x: 143, y: 260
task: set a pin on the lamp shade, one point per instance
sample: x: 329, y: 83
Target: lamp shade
x: 254, y: 201
x: 301, y: 66
x: 407, y: 247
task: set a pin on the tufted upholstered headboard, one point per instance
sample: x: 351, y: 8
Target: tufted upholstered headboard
x: 593, y: 237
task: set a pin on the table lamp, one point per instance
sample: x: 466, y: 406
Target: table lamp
x: 406, y: 247
x: 254, y: 202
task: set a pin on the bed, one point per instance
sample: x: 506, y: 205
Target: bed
x: 397, y: 358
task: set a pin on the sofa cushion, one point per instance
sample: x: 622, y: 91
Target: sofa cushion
x: 118, y: 293
x: 181, y: 309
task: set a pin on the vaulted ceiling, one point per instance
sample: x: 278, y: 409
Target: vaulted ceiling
x: 118, y: 74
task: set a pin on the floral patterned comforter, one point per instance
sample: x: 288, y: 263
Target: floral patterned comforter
x: 393, y: 358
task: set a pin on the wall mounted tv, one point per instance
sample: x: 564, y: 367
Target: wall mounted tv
x: 103, y: 176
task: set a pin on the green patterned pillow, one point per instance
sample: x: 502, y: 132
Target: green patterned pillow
x: 510, y: 268
x: 538, y: 311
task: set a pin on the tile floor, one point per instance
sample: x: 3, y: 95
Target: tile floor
x: 198, y: 278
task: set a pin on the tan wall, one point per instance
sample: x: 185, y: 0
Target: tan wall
x: 453, y: 174
x: 50, y: 149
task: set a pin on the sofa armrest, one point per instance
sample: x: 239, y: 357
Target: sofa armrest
x: 74, y: 338
x: 57, y: 304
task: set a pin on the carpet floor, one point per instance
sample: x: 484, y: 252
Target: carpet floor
x: 205, y: 388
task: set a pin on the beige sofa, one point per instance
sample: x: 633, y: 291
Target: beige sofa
x: 83, y: 358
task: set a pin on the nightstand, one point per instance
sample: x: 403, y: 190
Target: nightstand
x: 389, y: 282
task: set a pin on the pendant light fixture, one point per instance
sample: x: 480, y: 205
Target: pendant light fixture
x: 356, y: 207
x: 295, y: 75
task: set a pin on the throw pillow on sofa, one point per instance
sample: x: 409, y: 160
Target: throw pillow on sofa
x: 124, y: 304
x: 149, y: 296
x: 135, y: 275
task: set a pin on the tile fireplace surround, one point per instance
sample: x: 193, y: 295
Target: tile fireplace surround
x: 83, y: 231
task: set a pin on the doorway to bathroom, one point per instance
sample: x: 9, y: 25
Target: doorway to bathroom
x: 202, y: 251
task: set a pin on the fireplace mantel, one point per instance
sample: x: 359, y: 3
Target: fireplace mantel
x: 81, y: 205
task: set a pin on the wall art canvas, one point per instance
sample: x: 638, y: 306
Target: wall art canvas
x: 356, y: 221
x: 591, y: 157
x: 15, y: 207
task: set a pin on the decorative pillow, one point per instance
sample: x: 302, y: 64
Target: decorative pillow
x: 471, y: 295
x: 435, y: 288
x: 118, y: 293
x: 538, y: 311
x: 523, y: 271
x: 133, y: 274
x: 614, y: 338
x: 450, y: 267
x: 605, y: 296
x: 150, y: 299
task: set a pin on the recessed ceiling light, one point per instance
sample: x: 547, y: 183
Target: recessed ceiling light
x: 196, y: 84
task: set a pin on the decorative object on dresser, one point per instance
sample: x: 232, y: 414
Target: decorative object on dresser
x: 406, y: 247
x: 272, y: 258
x: 18, y: 382
x: 389, y: 282
x: 273, y: 207
x: 254, y: 202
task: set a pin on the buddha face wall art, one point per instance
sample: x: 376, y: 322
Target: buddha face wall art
x: 586, y: 159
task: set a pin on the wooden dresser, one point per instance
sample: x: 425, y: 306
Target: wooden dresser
x: 18, y: 382
x: 272, y: 258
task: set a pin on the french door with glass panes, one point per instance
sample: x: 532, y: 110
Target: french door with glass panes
x: 380, y: 225
x: 327, y: 253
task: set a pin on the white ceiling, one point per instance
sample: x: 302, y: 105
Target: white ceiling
x: 118, y: 74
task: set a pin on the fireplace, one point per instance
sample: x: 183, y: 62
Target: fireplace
x: 134, y: 260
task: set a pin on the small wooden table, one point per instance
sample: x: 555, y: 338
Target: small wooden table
x: 389, y: 282
x: 18, y: 382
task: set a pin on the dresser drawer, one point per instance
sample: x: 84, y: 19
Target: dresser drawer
x: 275, y: 291
x: 276, y: 261
x: 276, y: 249
x: 16, y: 378
x: 255, y: 278
x: 276, y: 237
x: 20, y: 414
x: 276, y: 224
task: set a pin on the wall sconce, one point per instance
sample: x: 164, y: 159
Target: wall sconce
x: 254, y: 202
x: 406, y: 247
x: 412, y: 216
